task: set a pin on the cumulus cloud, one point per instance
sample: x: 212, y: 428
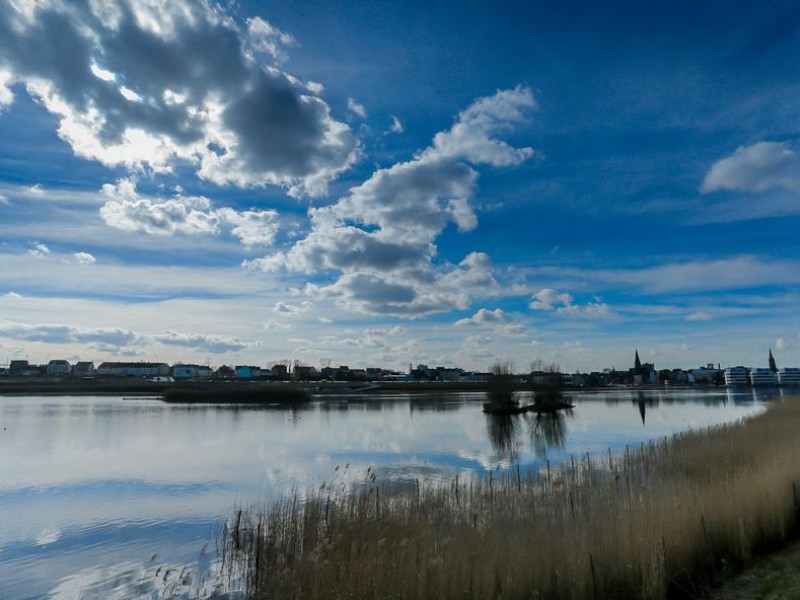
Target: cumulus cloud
x: 497, y: 319
x: 12, y: 296
x: 149, y: 85
x: 549, y: 299
x: 264, y: 37
x: 782, y: 344
x: 484, y: 316
x: 127, y: 210
x: 380, y: 237
x: 111, y: 339
x: 356, y: 108
x: 84, y: 258
x: 761, y: 167
x: 282, y: 308
x: 40, y: 251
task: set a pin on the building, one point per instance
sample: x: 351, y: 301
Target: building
x: 280, y: 372
x: 305, y: 373
x: 737, y: 376
x: 643, y: 373
x: 181, y: 371
x: 21, y: 368
x: 789, y: 376
x: 133, y: 369
x: 83, y: 369
x: 58, y: 368
x: 761, y: 377
x: 247, y: 371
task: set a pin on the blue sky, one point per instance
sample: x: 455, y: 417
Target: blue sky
x: 385, y: 183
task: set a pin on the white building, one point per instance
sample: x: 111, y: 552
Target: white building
x: 56, y: 368
x: 735, y: 376
x: 762, y: 377
x: 789, y: 376
x: 133, y: 369
x: 191, y: 371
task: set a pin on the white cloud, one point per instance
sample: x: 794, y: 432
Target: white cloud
x: 356, y: 108
x: 264, y: 37
x: 40, y: 251
x: 325, y: 320
x: 736, y: 272
x: 12, y: 296
x: 485, y: 316
x: 758, y: 168
x: 381, y: 236
x: 699, y: 316
x: 125, y: 209
x: 283, y: 308
x: 548, y: 298
x: 396, y: 126
x: 204, y: 98
x: 84, y: 258
x: 6, y: 95
x: 4, y: 199
x: 782, y: 344
x: 272, y: 325
x: 113, y: 339
x: 216, y: 344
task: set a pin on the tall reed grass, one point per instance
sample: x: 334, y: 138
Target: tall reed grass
x: 660, y: 520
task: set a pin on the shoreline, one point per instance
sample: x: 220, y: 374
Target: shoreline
x: 136, y: 386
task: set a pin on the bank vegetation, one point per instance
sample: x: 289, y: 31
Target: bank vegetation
x: 661, y: 520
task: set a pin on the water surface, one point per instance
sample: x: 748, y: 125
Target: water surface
x: 100, y: 497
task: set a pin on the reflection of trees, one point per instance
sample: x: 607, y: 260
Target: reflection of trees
x: 503, y: 429
x: 548, y: 430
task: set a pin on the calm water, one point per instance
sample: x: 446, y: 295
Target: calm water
x: 100, y: 496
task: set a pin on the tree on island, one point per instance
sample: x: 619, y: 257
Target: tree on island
x: 500, y: 384
x: 546, y: 382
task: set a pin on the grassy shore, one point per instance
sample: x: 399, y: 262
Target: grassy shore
x: 664, y: 520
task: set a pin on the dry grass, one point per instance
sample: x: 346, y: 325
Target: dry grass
x: 661, y: 520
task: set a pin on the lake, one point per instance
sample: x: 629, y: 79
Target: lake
x: 102, y: 497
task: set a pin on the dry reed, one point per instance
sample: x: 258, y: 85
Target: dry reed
x: 660, y: 520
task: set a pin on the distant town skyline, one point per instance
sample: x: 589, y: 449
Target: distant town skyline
x: 235, y: 182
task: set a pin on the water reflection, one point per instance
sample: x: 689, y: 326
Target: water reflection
x: 549, y: 431
x: 503, y: 432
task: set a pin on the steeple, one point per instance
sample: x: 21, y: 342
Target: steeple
x: 772, y: 365
x: 637, y: 363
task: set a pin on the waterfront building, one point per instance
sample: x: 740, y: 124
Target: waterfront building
x: 83, y: 368
x: 181, y: 371
x: 642, y: 373
x: 247, y: 371
x: 58, y: 368
x: 762, y: 377
x: 789, y: 376
x: 133, y: 369
x: 737, y: 376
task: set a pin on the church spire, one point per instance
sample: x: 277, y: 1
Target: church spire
x: 772, y: 365
x: 637, y: 363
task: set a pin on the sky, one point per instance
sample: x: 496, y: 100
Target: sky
x: 380, y: 183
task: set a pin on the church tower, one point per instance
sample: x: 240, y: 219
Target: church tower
x: 772, y: 365
x: 637, y: 364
